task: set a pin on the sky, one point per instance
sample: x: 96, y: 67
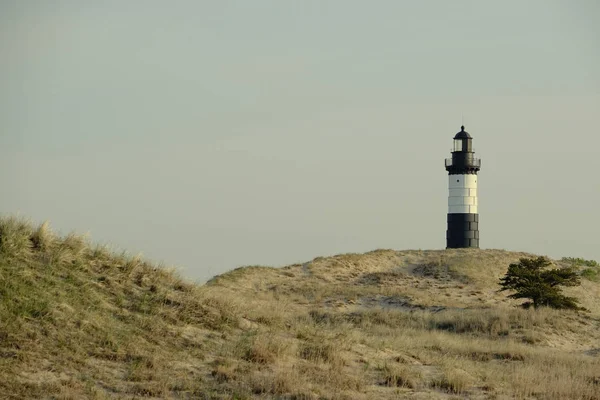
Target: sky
x: 209, y: 135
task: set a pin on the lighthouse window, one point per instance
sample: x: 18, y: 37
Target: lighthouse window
x: 458, y: 145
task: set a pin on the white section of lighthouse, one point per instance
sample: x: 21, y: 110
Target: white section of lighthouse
x: 463, y: 219
x: 462, y: 194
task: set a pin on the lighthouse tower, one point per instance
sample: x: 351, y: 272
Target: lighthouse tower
x: 463, y: 219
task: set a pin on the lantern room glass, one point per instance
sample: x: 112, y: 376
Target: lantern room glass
x: 458, y: 145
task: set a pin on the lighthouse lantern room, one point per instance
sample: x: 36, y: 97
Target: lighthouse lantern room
x: 463, y: 219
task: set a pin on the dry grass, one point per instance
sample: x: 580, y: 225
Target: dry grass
x: 79, y: 321
x: 402, y: 376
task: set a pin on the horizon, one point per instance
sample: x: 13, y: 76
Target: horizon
x: 212, y: 136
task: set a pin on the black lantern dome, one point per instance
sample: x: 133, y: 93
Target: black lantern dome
x: 462, y: 134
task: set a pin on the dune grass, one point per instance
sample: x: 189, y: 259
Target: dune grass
x: 80, y: 321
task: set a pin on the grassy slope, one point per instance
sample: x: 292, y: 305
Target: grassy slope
x: 78, y: 321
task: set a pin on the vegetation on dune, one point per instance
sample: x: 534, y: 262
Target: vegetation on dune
x: 531, y: 279
x: 78, y: 321
x: 590, y: 269
x: 581, y: 261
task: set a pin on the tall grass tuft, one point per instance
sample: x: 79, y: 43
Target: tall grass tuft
x: 15, y: 237
x: 43, y: 238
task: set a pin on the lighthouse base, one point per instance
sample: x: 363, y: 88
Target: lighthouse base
x: 463, y: 231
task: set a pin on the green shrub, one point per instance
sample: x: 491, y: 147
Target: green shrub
x: 591, y: 274
x: 581, y: 262
x: 531, y: 279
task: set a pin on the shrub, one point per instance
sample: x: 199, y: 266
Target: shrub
x: 592, y: 272
x: 530, y: 278
x: 577, y: 261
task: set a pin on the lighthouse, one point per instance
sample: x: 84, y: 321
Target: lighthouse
x: 463, y: 219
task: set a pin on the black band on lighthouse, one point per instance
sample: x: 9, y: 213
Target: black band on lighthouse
x: 463, y: 231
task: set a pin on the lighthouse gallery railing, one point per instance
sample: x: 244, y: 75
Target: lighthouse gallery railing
x: 473, y: 162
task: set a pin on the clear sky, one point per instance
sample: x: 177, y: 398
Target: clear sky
x: 214, y: 134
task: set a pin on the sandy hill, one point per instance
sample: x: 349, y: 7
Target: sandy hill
x: 78, y: 321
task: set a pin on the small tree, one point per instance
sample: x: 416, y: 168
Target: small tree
x: 530, y: 279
